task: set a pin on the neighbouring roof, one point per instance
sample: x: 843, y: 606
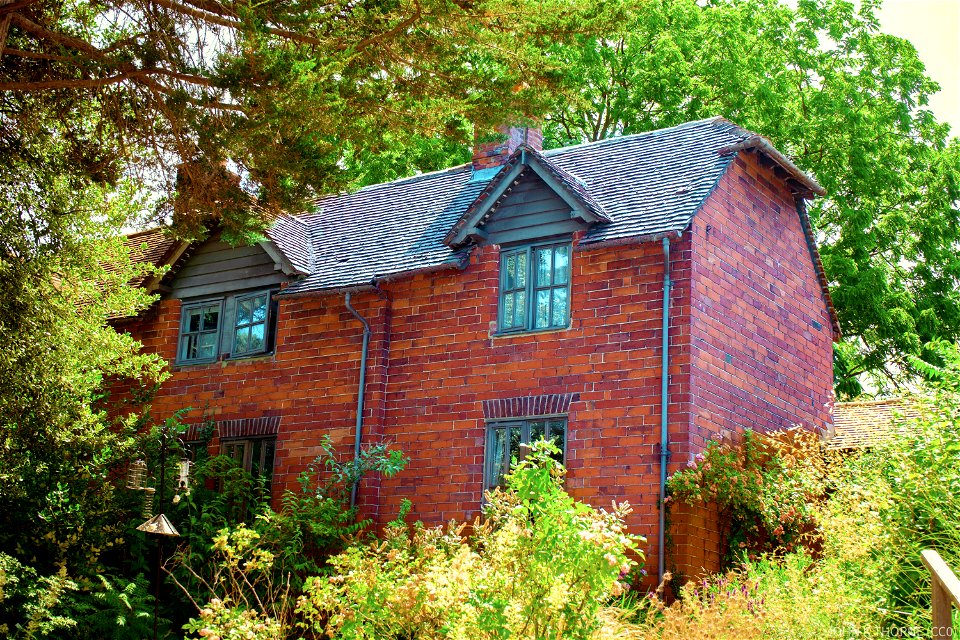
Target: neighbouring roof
x: 641, y: 186
x: 865, y: 424
x: 154, y: 247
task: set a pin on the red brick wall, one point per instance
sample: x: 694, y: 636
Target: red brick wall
x: 434, y: 361
x: 444, y: 362
x: 757, y: 359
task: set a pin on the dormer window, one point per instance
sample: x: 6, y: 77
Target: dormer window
x: 535, y: 287
x: 250, y: 329
x: 200, y: 331
x: 234, y: 326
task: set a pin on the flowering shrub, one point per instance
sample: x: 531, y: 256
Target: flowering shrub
x: 247, y: 602
x: 766, y: 488
x: 540, y: 565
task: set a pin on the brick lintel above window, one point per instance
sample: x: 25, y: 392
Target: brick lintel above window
x: 552, y: 404
x: 263, y: 427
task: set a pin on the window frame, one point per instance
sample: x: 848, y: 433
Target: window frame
x: 532, y: 286
x: 266, y: 348
x: 226, y: 334
x: 492, y: 475
x: 182, y: 334
x: 247, y: 462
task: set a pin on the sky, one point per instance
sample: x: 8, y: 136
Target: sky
x: 933, y: 26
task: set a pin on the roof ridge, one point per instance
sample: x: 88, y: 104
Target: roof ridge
x: 633, y: 136
x: 144, y: 231
x: 869, y: 403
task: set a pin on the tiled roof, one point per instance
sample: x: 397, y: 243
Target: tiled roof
x: 153, y: 246
x: 865, y: 424
x: 645, y: 186
x: 292, y: 236
x: 648, y: 184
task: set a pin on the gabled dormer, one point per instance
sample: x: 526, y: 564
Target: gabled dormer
x: 528, y: 198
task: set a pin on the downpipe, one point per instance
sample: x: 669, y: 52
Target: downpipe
x: 664, y: 403
x: 361, y: 392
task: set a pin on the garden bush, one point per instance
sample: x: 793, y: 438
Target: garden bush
x: 538, y: 565
x: 765, y: 487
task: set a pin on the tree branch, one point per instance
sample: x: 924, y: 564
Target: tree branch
x: 78, y: 83
x: 9, y: 6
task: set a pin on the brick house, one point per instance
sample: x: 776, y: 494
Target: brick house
x: 460, y: 313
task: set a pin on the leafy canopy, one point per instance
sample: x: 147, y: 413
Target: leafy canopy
x: 848, y: 104
x: 243, y: 108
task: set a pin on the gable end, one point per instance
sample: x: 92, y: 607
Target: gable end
x: 527, y: 185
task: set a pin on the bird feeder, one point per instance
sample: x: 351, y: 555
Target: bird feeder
x: 183, y: 482
x: 136, y: 475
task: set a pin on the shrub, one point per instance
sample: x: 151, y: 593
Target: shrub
x: 765, y: 487
x: 540, y: 565
x: 890, y: 503
x: 246, y: 580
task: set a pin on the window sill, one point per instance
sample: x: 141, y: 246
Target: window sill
x: 500, y: 335
x: 177, y: 366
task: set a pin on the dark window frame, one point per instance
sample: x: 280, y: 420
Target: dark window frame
x: 247, y: 462
x: 493, y: 473
x: 183, y: 335
x: 265, y: 347
x: 532, y: 286
x: 225, y: 302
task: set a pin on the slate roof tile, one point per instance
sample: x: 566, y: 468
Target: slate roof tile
x: 648, y: 184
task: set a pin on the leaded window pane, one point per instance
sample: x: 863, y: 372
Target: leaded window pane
x: 559, y: 307
x: 561, y: 264
x: 522, y: 269
x: 508, y: 302
x: 520, y: 309
x: 510, y: 272
x: 211, y: 317
x: 543, y: 310
x: 257, y: 337
x: 543, y: 266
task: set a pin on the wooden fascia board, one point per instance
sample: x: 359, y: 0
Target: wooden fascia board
x: 577, y: 210
x: 153, y: 284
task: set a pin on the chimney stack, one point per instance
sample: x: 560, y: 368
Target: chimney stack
x: 487, y: 155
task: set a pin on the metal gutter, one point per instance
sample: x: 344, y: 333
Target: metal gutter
x: 664, y: 403
x: 361, y: 392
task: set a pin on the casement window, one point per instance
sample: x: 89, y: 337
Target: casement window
x: 535, y: 287
x: 200, y: 331
x: 236, y: 326
x: 504, y: 439
x: 253, y: 455
x: 250, y: 326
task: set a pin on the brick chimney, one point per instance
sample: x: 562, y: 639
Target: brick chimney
x: 494, y: 154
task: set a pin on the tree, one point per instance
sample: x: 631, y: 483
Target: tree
x: 245, y: 108
x: 848, y: 104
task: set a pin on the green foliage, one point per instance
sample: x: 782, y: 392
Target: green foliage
x: 300, y: 101
x: 540, y: 565
x: 251, y: 573
x: 847, y: 103
x: 112, y: 608
x: 31, y: 604
x: 765, y: 487
x: 894, y: 501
